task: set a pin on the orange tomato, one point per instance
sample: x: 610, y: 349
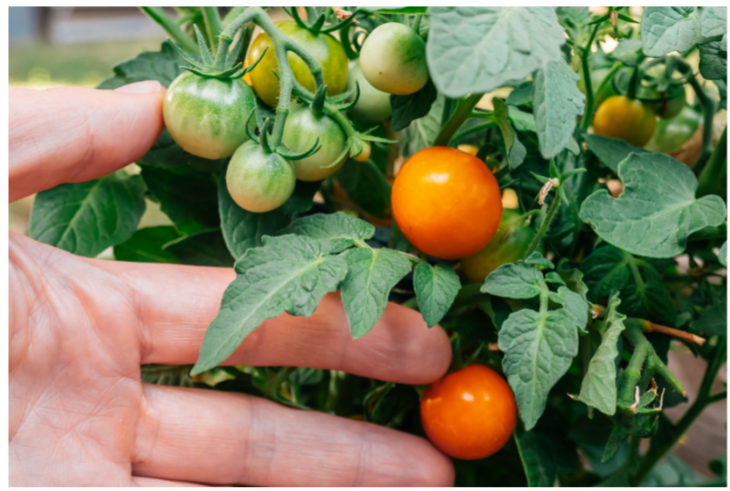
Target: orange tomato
x: 446, y: 202
x: 469, y: 414
x: 620, y: 117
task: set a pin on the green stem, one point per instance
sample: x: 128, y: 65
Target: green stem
x: 173, y: 30
x: 473, y: 129
x: 713, y: 178
x: 212, y: 26
x: 633, y: 84
x: 458, y: 117
x: 585, y: 64
x: 543, y: 226
x: 345, y: 42
x: 417, y: 24
x: 650, y: 459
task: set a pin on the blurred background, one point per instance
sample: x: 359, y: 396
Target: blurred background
x: 79, y: 46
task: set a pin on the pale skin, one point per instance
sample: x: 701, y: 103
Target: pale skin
x: 80, y: 329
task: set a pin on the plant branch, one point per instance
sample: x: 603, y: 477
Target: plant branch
x: 458, y: 117
x: 713, y: 178
x: 670, y: 331
x: 585, y: 64
x: 173, y: 30
x: 543, y: 226
x: 213, y: 25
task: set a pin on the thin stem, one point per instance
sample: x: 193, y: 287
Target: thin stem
x: 543, y: 226
x: 213, y: 26
x: 173, y: 30
x: 458, y: 117
x: 712, y: 179
x: 670, y: 331
x: 717, y: 358
x: 473, y: 129
x: 417, y: 24
x: 585, y: 63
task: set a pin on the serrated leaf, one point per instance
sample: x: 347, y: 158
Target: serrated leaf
x: 576, y: 22
x: 606, y: 269
x: 288, y: 274
x: 371, y: 275
x: 522, y: 120
x: 598, y: 388
x: 713, y: 320
x: 189, y: 198
x: 575, y: 306
x: 408, y: 108
x: 203, y: 249
x: 650, y: 300
x: 557, y: 104
x: 163, y: 66
x: 553, y: 277
x: 146, y: 246
x: 538, y: 349
x: 436, y: 287
x: 713, y: 60
x: 513, y: 281
x: 501, y: 117
x: 87, y: 217
x: 341, y: 229
x: 573, y: 279
x: 611, y: 151
x: 713, y: 21
x: 657, y: 210
x: 421, y: 133
x: 478, y: 49
x: 537, y: 259
x: 521, y: 95
x: 667, y: 29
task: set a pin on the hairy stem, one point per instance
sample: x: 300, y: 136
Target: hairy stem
x: 213, y: 26
x: 585, y: 64
x: 543, y: 226
x: 173, y: 30
x: 457, y: 118
x: 713, y: 178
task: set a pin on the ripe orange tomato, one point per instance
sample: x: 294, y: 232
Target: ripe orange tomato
x: 469, y: 414
x: 446, y: 202
x: 620, y: 117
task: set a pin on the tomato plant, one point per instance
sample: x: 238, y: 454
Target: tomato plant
x: 469, y: 414
x: 574, y: 299
x: 437, y: 194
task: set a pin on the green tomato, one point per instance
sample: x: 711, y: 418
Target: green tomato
x: 301, y: 131
x: 393, y: 59
x: 373, y: 106
x: 323, y: 47
x: 206, y: 116
x: 259, y: 181
x: 507, y: 246
x: 673, y: 102
x: 671, y: 134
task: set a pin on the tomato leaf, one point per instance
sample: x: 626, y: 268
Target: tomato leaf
x: 436, y: 287
x: 713, y: 320
x: 163, y: 66
x: 657, y: 210
x: 628, y: 52
x: 537, y: 455
x: 713, y: 60
x: 515, y: 150
x: 521, y: 95
x: 513, y: 281
x: 166, y: 153
x: 557, y: 103
x: 574, y: 305
x: 288, y: 274
x: 576, y: 22
x: 537, y: 259
x: 146, y: 246
x: 421, y: 132
x: 723, y: 254
x: 341, y: 229
x: 611, y: 151
x: 713, y: 21
x: 366, y: 186
x: 522, y: 120
x: 606, y: 269
x: 598, y: 388
x: 371, y: 275
x: 539, y: 348
x: 478, y: 49
x: 204, y: 249
x: 408, y: 108
x: 87, y: 217
x: 667, y: 29
x: 189, y: 198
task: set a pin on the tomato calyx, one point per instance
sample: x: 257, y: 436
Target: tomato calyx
x: 263, y: 140
x: 222, y: 67
x: 316, y: 26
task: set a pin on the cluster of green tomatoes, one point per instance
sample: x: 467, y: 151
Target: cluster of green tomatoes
x: 212, y: 115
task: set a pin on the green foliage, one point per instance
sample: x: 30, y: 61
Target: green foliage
x: 407, y: 108
x: 436, y: 287
x: 147, y: 245
x: 87, y: 217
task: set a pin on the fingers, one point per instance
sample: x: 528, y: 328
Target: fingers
x: 149, y: 482
x: 73, y: 134
x: 221, y: 438
x: 176, y: 304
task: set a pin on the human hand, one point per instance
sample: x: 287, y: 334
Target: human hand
x: 80, y: 329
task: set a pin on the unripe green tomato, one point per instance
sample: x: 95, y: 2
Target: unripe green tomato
x: 207, y: 116
x: 507, y: 246
x: 301, y: 131
x: 257, y: 180
x: 671, y: 134
x: 324, y: 48
x: 393, y: 59
x: 629, y: 120
x: 373, y: 106
x: 673, y: 102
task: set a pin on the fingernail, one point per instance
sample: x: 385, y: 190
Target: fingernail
x: 146, y: 87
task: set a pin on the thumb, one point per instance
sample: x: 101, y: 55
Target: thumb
x: 73, y: 134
